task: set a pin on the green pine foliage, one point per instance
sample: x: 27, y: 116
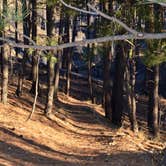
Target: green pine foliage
x: 10, y: 16
x: 155, y: 54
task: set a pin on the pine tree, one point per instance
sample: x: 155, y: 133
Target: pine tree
x: 34, y: 38
x: 26, y: 32
x: 5, y: 59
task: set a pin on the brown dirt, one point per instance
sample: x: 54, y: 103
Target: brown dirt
x: 77, y: 134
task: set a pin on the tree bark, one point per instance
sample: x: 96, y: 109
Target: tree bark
x: 34, y: 72
x: 153, y: 110
x: 4, y: 58
x: 57, y: 72
x: 70, y: 53
x: 133, y: 99
x: 130, y: 93
x: 67, y: 54
x: 107, y: 84
x: 90, y: 35
x: 16, y: 26
x: 34, y: 56
x: 51, y: 86
x: 59, y: 58
x: 51, y: 62
x: 117, y: 92
x: 68, y: 77
x: 5, y: 73
x: 155, y: 25
x: 90, y: 83
x: 26, y: 31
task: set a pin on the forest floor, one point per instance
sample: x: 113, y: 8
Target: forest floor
x: 76, y: 134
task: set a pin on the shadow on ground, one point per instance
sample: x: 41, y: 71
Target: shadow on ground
x: 17, y: 155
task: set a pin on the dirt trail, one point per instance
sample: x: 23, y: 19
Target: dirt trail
x: 77, y: 134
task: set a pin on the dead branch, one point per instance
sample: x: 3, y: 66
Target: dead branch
x: 87, y: 41
x: 36, y: 92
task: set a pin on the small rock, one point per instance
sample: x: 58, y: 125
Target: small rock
x: 112, y: 143
x: 106, y: 160
x: 13, y: 128
x: 21, y: 136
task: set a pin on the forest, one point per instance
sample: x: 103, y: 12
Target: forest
x: 83, y: 82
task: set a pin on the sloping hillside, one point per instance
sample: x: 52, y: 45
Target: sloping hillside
x: 77, y: 134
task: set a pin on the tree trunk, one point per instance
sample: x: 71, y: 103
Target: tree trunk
x: 51, y: 86
x: 153, y: 110
x: 90, y: 35
x: 57, y: 72
x: 59, y: 58
x: 4, y: 59
x: 51, y: 61
x: 67, y: 54
x: 130, y: 92
x: 34, y: 72
x: 117, y: 92
x: 133, y: 100
x: 155, y: 25
x: 68, y: 77
x: 70, y: 53
x: 19, y: 82
x: 107, y: 83
x: 90, y: 79
x: 26, y: 31
x: 34, y: 56
x: 5, y: 73
x: 16, y: 26
x: 1, y: 43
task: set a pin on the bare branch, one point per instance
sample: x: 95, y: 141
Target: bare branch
x: 87, y: 41
x: 77, y: 9
x: 97, y: 12
x: 36, y: 92
x: 25, y: 36
x: 12, y: 23
x: 160, y: 3
x: 113, y: 19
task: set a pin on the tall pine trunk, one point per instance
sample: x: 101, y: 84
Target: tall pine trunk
x: 51, y: 63
x: 16, y: 26
x: 68, y: 75
x: 51, y: 86
x: 155, y: 25
x: 1, y: 42
x: 107, y: 83
x: 59, y: 58
x: 133, y: 99
x: 5, y: 73
x: 34, y: 54
x: 90, y: 83
x: 68, y: 54
x: 4, y: 59
x: 153, y: 109
x: 117, y: 102
x: 130, y: 94
x: 26, y: 31
x: 57, y: 72
x: 90, y: 35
